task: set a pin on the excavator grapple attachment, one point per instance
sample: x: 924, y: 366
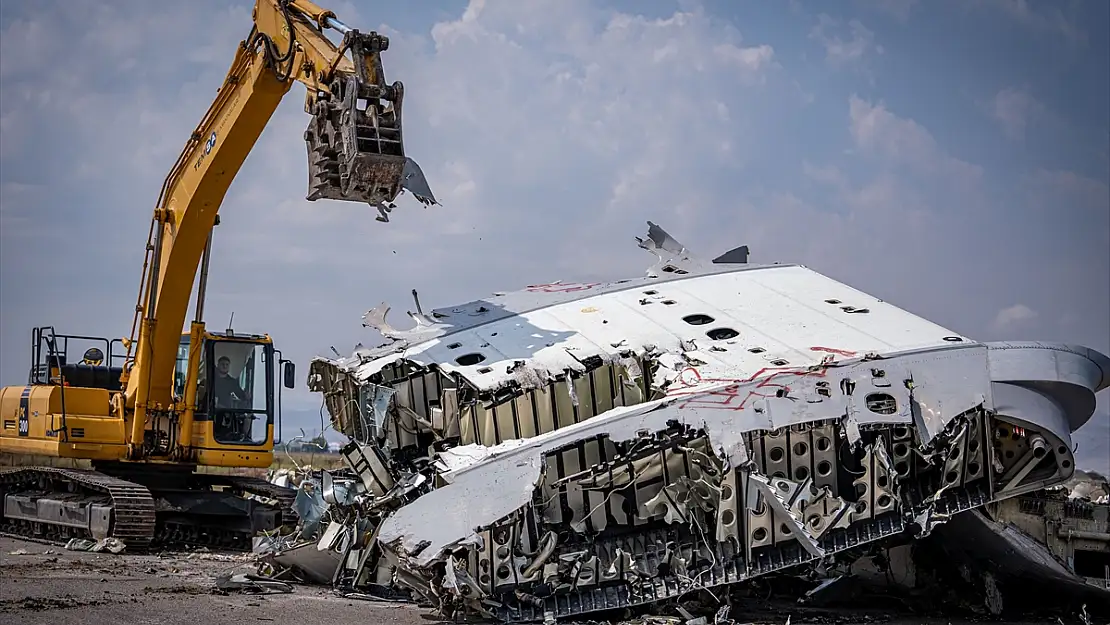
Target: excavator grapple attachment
x: 354, y: 141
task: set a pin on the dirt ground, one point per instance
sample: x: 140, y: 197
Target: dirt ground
x: 44, y: 584
x: 47, y: 585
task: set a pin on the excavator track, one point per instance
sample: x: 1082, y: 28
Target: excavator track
x: 35, y: 507
x: 52, y: 505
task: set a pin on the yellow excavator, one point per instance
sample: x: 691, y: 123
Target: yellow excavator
x: 152, y: 411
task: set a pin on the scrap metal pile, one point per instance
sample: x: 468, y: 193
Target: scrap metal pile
x: 333, y: 544
x: 576, y: 448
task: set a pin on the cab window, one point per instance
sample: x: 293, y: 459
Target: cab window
x: 238, y: 388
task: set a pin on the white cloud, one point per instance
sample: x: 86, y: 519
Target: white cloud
x: 626, y: 90
x: 750, y: 59
x: 876, y: 130
x: 1012, y: 318
x: 844, y: 42
x: 1014, y: 108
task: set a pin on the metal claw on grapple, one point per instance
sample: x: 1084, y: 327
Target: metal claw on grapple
x: 354, y: 140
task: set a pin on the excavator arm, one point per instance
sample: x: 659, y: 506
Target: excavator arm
x: 355, y: 152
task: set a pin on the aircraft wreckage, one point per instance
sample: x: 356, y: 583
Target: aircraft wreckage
x: 577, y: 447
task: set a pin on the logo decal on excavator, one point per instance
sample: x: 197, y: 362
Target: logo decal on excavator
x: 208, y: 145
x: 24, y: 422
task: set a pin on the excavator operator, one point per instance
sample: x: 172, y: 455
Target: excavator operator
x: 230, y: 423
x: 227, y: 389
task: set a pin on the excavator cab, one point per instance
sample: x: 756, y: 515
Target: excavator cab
x: 237, y: 391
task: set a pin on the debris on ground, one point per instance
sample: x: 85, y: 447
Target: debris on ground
x: 104, y: 545
x: 252, y: 584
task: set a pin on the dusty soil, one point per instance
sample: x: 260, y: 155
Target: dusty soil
x: 47, y: 585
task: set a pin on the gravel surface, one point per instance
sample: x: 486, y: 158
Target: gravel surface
x: 48, y: 585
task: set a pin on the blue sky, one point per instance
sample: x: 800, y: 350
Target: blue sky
x: 949, y: 157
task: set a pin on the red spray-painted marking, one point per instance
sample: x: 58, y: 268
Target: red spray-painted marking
x: 733, y: 397
x: 729, y: 397
x: 689, y: 376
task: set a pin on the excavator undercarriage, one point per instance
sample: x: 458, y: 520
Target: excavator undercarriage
x: 143, y: 507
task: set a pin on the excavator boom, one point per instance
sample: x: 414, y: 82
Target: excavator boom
x: 355, y: 153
